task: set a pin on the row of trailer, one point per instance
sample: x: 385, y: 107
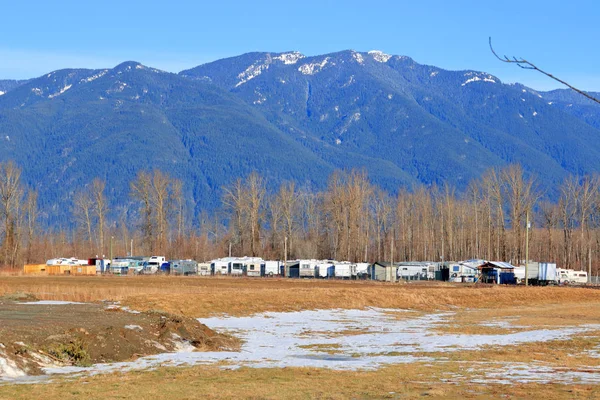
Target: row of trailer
x: 538, y: 273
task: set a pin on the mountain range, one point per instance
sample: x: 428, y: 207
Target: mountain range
x: 289, y: 117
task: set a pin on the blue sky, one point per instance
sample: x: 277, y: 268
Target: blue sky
x: 561, y: 37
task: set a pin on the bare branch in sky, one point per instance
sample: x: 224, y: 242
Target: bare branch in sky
x: 522, y: 63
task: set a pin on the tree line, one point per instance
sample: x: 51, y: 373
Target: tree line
x: 351, y: 219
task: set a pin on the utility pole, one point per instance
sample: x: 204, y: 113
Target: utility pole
x: 285, y: 271
x: 590, y: 264
x: 527, y: 251
x: 230, y: 249
x: 111, y: 250
x: 392, y: 274
x: 131, y: 248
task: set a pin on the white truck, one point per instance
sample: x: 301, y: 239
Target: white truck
x: 153, y: 264
x: 538, y: 273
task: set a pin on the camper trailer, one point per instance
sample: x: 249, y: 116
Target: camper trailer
x: 184, y: 267
x: 416, y: 271
x: 326, y: 270
x: 462, y: 272
x: 569, y: 276
x: 120, y: 267
x: 308, y: 268
x: 362, y: 270
x: 273, y: 268
x: 344, y: 270
x: 220, y: 266
x: 237, y: 267
x: 204, y: 269
x: 255, y: 268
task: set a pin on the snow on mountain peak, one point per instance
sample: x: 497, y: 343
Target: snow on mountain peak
x: 313, y: 68
x: 478, y: 77
x: 380, y: 56
x: 358, y: 57
x: 289, y: 58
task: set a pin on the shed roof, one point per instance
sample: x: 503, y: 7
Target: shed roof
x: 497, y: 264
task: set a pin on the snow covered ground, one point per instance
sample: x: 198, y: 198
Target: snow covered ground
x: 352, y: 340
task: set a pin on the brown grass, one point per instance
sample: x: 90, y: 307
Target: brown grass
x: 533, y: 307
x: 201, y: 297
x: 409, y: 381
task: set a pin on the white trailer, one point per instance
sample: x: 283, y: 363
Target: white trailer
x: 344, y: 270
x: 255, y: 268
x: 272, y: 268
x: 236, y: 267
x: 412, y: 271
x: 538, y: 273
x: 204, y: 269
x: 220, y: 266
x: 326, y: 270
x: 308, y: 268
x: 569, y: 276
x: 362, y: 270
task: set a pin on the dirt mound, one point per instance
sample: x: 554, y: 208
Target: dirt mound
x: 34, y: 336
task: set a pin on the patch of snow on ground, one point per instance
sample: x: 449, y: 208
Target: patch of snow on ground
x: 50, y: 303
x: 534, y: 113
x: 434, y: 73
x: 380, y: 56
x: 313, y: 68
x: 1, y: 92
x: 379, y: 337
x: 61, y: 91
x: 37, y: 91
x: 251, y: 72
x: 549, y: 103
x: 94, y: 77
x: 9, y: 369
x: 134, y: 327
x: 289, y: 58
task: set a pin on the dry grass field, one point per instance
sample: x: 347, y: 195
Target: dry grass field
x: 454, y: 375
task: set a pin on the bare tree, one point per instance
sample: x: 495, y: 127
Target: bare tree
x: 100, y: 209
